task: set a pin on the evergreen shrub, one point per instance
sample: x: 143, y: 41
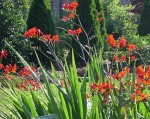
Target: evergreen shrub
x: 40, y: 16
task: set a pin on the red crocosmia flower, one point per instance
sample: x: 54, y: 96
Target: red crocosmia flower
x: 33, y: 33
x: 13, y: 68
x: 123, y: 58
x: 105, y: 88
x: 87, y: 96
x: 46, y: 37
x: 36, y: 86
x: 32, y: 82
x: 3, y: 54
x: 121, y: 42
x: 70, y: 7
x: 100, y: 19
x: 55, y: 38
x: 61, y: 83
x: 8, y: 77
x: 73, y: 5
x: 10, y: 68
x: 65, y: 6
x: 139, y: 96
x: 147, y: 73
x: 140, y: 71
x: 17, y: 86
x: 111, y: 40
x: 71, y: 16
x: 131, y: 47
x: 26, y: 81
x: 33, y: 68
x: 119, y: 75
x: 25, y: 72
x: 6, y: 69
x: 65, y: 18
x: 71, y: 32
x: 133, y: 58
x: 126, y: 69
x: 23, y: 86
x: 1, y: 66
x: 94, y: 87
x: 116, y: 58
x: 122, y: 73
x: 75, y: 32
x: 78, y: 31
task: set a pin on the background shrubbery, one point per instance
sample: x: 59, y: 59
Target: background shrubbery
x: 13, y: 15
x: 118, y: 20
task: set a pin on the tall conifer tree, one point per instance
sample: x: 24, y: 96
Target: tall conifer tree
x: 144, y: 26
x: 100, y: 10
x: 40, y: 16
x: 99, y: 7
x: 88, y: 14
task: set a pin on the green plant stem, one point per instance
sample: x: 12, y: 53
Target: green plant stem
x: 129, y: 61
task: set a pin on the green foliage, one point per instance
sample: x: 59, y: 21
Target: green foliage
x: 118, y: 20
x: 13, y: 15
x: 71, y: 103
x: 23, y: 46
x: 144, y: 55
x: 140, y: 41
x: 11, y: 23
x: 144, y: 26
x: 109, y: 98
x: 63, y: 46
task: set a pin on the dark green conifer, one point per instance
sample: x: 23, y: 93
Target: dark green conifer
x: 144, y: 26
x: 88, y: 15
x: 100, y: 10
x: 40, y: 16
x: 99, y: 7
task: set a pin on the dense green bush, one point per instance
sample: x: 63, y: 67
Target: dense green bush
x: 118, y: 20
x: 12, y: 22
x: 23, y: 46
x: 144, y: 26
x: 13, y: 15
x: 143, y: 50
